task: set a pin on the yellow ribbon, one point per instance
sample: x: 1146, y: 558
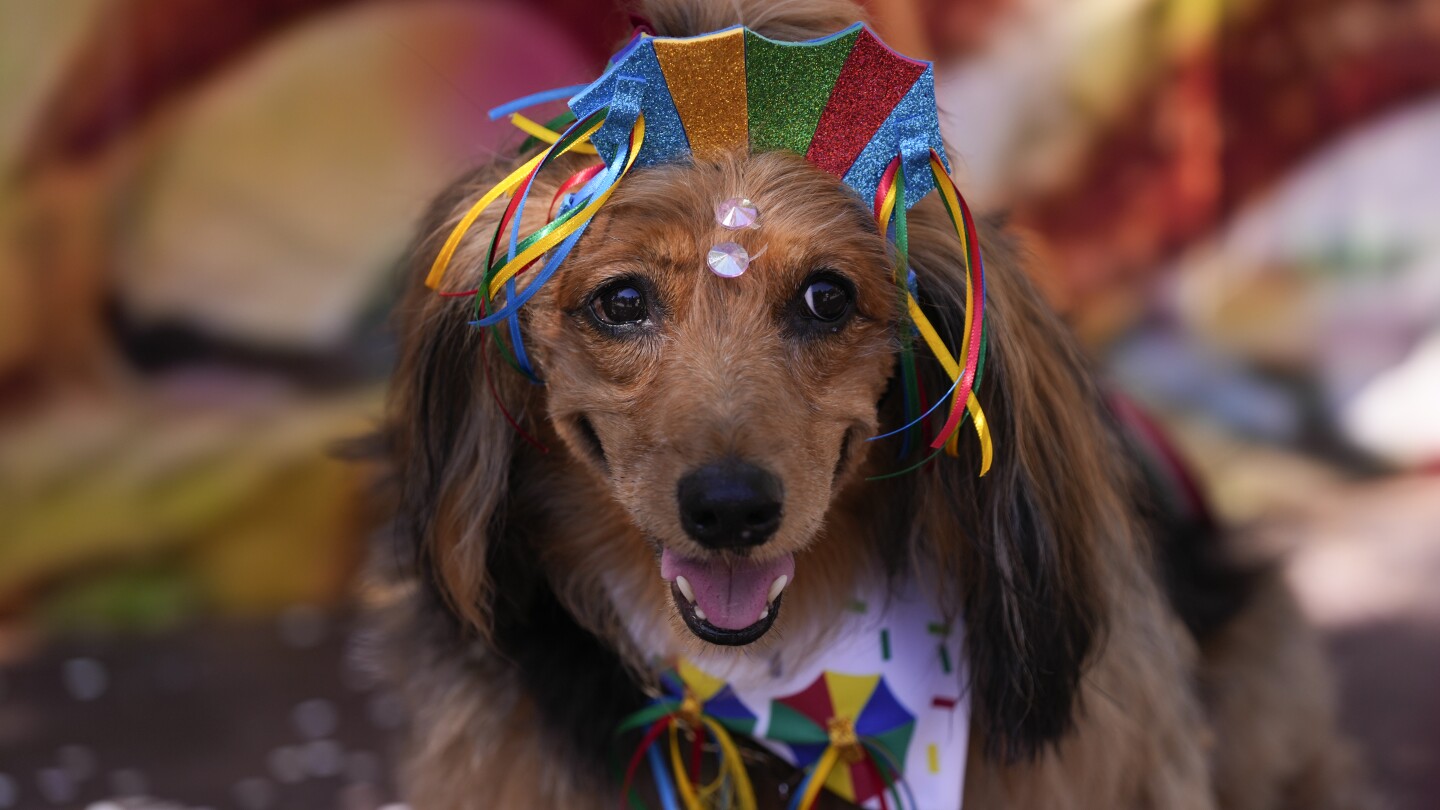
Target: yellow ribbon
x: 555, y: 237
x: 952, y: 202
x: 682, y: 777
x: 819, y: 778
x: 503, y: 188
x: 732, y: 769
x: 937, y: 346
x: 538, y: 130
x: 730, y: 756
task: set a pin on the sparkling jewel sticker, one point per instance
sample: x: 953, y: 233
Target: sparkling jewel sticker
x: 728, y: 259
x: 737, y: 213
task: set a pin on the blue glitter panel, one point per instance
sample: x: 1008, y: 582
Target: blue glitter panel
x: 665, y: 140
x: 915, y: 148
x: 627, y: 99
x: 619, y: 56
x: 917, y: 107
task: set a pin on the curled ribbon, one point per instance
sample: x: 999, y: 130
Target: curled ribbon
x: 681, y: 708
x: 966, y: 379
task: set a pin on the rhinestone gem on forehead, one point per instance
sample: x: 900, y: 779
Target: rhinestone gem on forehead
x: 728, y: 260
x: 731, y: 259
x: 737, y: 213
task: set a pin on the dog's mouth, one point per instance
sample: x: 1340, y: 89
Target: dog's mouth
x: 726, y: 600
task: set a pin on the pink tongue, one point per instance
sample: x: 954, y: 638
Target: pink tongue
x: 731, y: 592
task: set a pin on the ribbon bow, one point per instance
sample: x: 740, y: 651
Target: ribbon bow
x: 850, y: 733
x: 702, y: 706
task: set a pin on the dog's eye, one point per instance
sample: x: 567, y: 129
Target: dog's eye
x: 620, y: 303
x: 827, y: 298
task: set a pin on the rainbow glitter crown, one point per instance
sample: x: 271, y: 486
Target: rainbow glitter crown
x: 846, y: 102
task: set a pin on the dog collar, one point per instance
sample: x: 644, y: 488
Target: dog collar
x: 880, y: 717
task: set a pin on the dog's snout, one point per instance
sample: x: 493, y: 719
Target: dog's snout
x: 730, y: 504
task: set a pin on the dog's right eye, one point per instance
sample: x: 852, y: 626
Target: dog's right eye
x: 619, y: 304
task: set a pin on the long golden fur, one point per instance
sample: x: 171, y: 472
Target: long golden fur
x: 527, y: 600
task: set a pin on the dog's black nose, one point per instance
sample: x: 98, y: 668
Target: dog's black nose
x: 730, y: 504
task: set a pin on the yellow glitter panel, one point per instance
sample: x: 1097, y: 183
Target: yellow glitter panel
x: 706, y: 76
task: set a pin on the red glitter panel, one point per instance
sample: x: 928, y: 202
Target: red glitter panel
x: 872, y: 82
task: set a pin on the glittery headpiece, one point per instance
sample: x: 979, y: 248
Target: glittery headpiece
x: 847, y: 102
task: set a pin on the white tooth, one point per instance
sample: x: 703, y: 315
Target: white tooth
x: 684, y: 585
x: 764, y: 614
x: 777, y: 586
x: 700, y: 614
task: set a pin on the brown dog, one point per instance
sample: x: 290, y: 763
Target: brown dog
x: 543, y: 583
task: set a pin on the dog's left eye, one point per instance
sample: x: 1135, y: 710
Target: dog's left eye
x: 619, y: 304
x: 827, y: 298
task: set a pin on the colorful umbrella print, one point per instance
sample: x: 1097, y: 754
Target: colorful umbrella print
x: 705, y: 705
x: 716, y: 698
x: 858, y: 712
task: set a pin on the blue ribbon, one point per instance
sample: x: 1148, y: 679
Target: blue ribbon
x: 524, y: 102
x: 662, y: 779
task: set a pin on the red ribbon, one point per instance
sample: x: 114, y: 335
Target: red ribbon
x: 649, y: 740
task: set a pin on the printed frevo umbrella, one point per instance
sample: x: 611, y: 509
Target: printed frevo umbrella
x: 850, y: 732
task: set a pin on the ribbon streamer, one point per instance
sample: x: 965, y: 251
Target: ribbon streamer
x: 874, y: 758
x: 889, y: 191
x: 543, y: 133
x: 557, y: 237
x: 683, y: 706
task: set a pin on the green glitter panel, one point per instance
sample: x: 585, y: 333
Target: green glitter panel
x: 788, y: 84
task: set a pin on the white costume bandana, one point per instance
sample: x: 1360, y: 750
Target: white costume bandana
x: 887, y: 700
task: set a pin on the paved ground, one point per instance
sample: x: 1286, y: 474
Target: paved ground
x: 1390, y: 682
x: 252, y: 716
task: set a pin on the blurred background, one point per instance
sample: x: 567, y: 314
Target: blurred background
x: 201, y: 203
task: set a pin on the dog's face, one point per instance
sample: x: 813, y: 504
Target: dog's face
x: 722, y: 413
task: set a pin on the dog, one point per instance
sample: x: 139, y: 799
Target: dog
x: 1118, y: 656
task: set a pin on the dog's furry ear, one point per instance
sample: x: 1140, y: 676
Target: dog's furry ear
x: 1018, y: 552
x: 451, y: 444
